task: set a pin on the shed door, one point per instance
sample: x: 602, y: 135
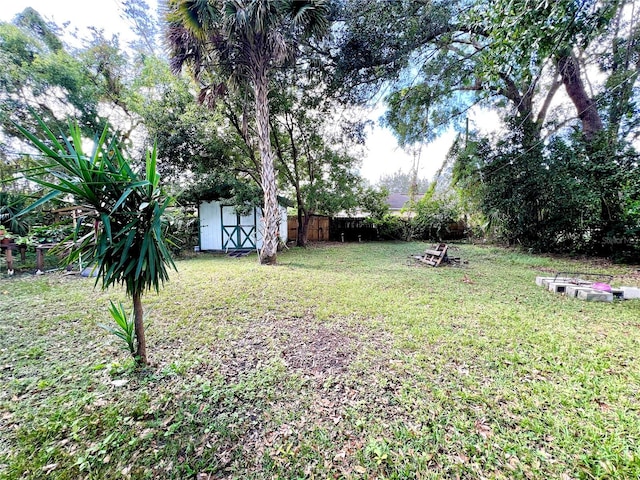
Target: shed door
x: 207, y: 226
x: 238, y: 231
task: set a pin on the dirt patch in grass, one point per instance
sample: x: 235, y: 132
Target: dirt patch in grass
x: 319, y: 349
x: 304, y: 345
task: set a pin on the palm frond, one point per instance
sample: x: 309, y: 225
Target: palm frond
x: 128, y: 245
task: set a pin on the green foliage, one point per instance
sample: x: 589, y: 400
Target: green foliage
x: 10, y: 205
x: 331, y: 183
x: 126, y: 238
x: 182, y: 228
x: 429, y: 219
x: 33, y: 63
x: 222, y: 184
x: 394, y: 227
x: 52, y: 233
x: 124, y: 328
x: 558, y: 193
x: 572, y: 196
x: 190, y: 137
x: 374, y: 202
x: 434, y: 216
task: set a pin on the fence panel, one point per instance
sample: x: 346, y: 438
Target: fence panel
x: 319, y: 227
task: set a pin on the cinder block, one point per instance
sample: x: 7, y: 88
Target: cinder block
x: 545, y: 281
x: 595, y: 296
x: 630, y: 293
x: 559, y: 287
x: 618, y: 293
x: 572, y: 290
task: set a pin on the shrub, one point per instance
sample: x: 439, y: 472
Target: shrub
x: 434, y: 217
x: 181, y: 226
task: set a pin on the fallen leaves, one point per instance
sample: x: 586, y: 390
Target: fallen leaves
x: 47, y: 469
x: 296, y: 379
x: 483, y: 429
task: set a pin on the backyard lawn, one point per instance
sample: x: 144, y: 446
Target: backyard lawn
x: 344, y: 361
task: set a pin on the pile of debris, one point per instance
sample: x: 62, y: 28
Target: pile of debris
x: 592, y: 287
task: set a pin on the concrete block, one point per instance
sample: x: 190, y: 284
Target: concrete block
x: 572, y: 290
x: 559, y: 287
x: 545, y: 281
x: 540, y: 279
x: 618, y: 293
x: 90, y: 271
x: 595, y: 296
x: 630, y: 293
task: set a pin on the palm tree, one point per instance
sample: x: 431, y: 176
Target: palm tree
x: 126, y: 238
x: 244, y: 41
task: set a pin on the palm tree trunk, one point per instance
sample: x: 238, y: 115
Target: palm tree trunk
x: 138, y: 314
x: 267, y: 172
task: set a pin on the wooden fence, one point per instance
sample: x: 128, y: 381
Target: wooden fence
x: 318, y: 228
x: 344, y: 229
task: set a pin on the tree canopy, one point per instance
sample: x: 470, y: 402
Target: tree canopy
x: 438, y: 60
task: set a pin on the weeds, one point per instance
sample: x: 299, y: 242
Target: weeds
x: 124, y: 328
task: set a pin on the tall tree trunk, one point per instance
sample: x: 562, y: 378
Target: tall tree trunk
x: 138, y: 315
x: 304, y: 231
x: 300, y: 241
x: 267, y: 170
x: 586, y: 107
x: 610, y: 206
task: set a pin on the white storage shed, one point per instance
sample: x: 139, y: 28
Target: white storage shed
x: 222, y: 228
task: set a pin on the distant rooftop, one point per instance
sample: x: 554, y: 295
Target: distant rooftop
x: 397, y: 200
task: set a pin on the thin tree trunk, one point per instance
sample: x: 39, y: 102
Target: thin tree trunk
x: 300, y: 241
x: 267, y: 171
x: 138, y: 315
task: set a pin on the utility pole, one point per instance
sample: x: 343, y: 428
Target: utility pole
x: 466, y: 134
x: 413, y: 187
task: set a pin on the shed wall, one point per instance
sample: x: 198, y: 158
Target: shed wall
x: 211, y: 236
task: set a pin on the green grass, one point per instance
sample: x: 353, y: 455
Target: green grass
x: 343, y: 361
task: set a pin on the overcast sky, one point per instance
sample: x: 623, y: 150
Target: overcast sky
x: 382, y: 157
